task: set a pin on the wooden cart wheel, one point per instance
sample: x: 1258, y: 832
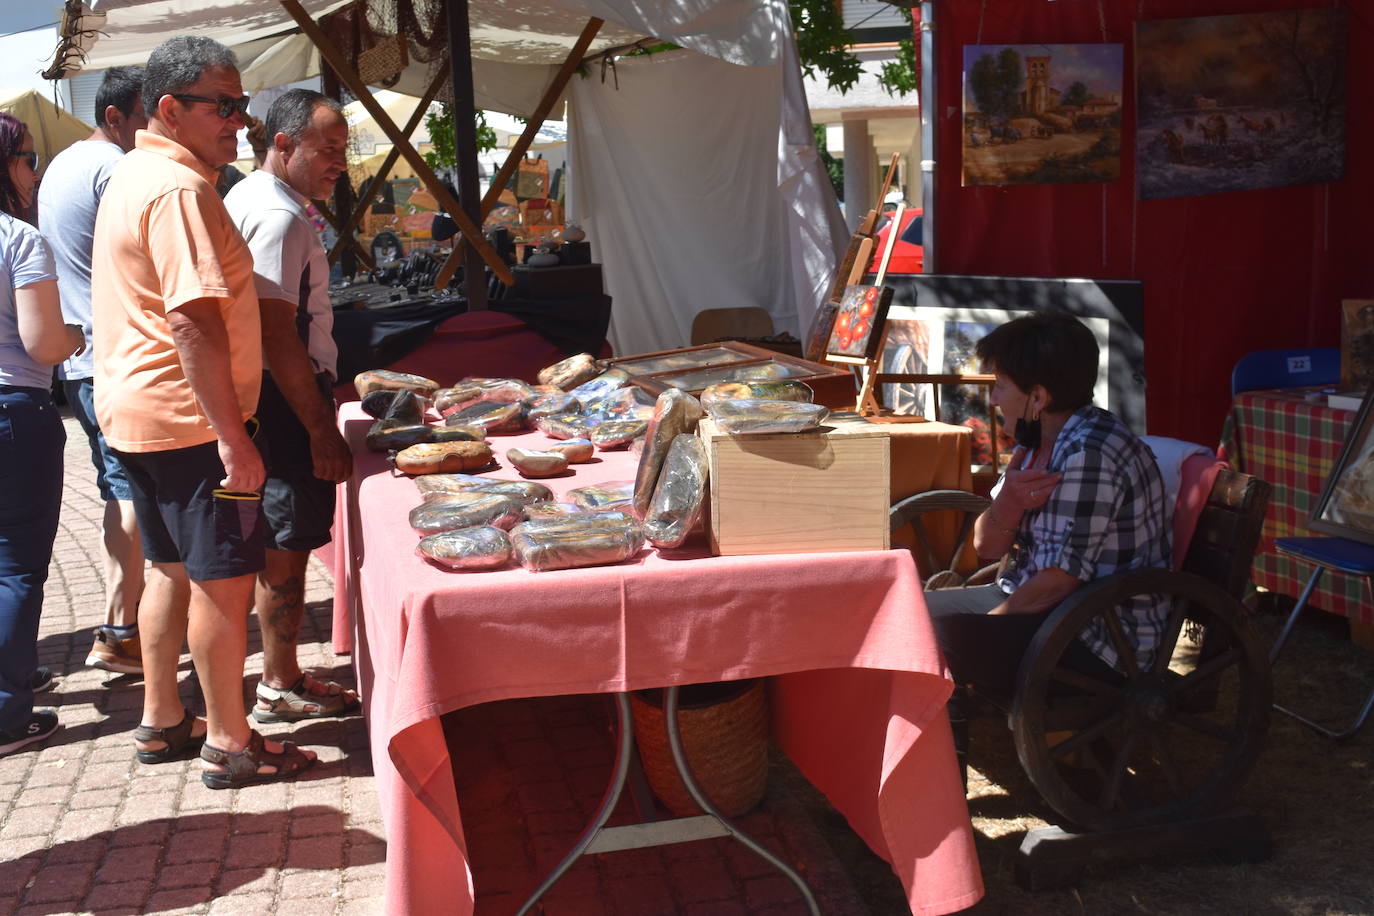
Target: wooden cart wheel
x: 1173, y: 741
x: 940, y: 565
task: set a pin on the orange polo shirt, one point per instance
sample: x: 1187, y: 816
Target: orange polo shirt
x: 163, y: 239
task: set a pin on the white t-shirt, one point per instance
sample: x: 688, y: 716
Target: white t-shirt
x: 68, y: 198
x: 24, y: 260
x: 271, y: 217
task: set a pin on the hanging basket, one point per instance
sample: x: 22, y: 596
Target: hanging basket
x: 724, y: 730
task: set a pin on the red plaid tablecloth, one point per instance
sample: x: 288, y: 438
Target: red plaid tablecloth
x: 1291, y: 442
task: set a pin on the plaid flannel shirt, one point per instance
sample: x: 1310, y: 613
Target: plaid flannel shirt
x: 1106, y: 514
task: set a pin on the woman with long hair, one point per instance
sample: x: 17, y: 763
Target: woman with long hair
x: 33, y: 339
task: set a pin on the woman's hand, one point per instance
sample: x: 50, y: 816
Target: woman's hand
x: 1028, y: 489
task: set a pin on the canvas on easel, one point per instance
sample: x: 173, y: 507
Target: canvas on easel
x: 858, y: 323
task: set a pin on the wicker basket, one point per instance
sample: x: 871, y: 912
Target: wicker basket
x: 724, y: 730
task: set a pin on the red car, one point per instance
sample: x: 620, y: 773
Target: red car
x: 907, y: 258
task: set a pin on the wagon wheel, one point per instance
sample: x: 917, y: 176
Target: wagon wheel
x: 939, y: 565
x: 1173, y: 741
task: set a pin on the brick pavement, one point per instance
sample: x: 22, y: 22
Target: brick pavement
x: 85, y: 828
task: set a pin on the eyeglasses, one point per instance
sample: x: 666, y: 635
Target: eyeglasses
x: 30, y: 156
x: 225, y: 107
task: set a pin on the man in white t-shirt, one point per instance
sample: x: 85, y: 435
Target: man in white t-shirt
x: 307, y: 140
x: 68, y: 198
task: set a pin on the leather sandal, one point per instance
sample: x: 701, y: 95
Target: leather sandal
x: 177, y: 740
x: 241, y: 768
x: 297, y: 702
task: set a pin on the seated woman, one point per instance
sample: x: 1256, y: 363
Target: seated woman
x: 1082, y: 498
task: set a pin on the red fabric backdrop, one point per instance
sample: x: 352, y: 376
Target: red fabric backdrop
x: 1224, y: 274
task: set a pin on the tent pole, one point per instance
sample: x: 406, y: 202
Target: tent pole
x: 331, y: 54
x: 370, y: 192
x: 517, y: 152
x: 465, y: 147
x: 929, y: 111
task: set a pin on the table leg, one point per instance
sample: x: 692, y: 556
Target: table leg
x: 597, y: 837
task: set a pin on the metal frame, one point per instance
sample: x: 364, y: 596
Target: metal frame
x: 597, y: 837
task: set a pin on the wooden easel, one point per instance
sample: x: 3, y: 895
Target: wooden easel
x: 866, y: 405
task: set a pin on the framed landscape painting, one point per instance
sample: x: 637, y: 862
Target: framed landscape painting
x: 1346, y: 506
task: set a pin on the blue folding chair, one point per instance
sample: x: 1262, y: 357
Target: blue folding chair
x: 1350, y: 557
x: 1286, y: 369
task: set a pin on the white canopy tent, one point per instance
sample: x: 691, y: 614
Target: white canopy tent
x: 658, y: 282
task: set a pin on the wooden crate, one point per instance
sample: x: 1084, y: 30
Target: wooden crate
x: 814, y: 492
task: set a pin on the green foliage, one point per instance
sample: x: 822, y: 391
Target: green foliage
x: 822, y: 42
x: 834, y: 168
x: 996, y: 83
x: 440, y: 124
x: 1075, y: 95
x: 900, y: 75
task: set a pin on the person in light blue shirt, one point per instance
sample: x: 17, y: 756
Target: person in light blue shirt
x: 33, y: 338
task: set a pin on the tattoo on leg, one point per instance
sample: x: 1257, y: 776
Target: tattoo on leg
x: 286, y: 603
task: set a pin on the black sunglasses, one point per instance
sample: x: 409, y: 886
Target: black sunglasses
x: 224, y: 106
x: 29, y: 155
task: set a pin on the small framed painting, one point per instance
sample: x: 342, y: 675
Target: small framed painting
x: 857, y: 331
x: 1346, y: 505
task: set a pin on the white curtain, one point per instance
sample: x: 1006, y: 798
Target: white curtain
x: 699, y: 187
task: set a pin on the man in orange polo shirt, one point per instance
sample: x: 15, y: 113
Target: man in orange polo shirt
x: 178, y: 363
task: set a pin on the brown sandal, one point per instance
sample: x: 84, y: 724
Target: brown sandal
x: 241, y: 767
x: 177, y: 740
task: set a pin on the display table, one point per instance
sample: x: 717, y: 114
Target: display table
x: 862, y: 716
x: 1291, y: 442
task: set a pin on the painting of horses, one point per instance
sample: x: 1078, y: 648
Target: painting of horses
x: 1042, y: 114
x: 1236, y: 103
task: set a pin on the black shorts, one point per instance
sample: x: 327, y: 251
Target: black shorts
x: 185, y: 516
x: 299, y: 507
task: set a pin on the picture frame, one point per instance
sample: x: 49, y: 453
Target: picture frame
x: 1346, y: 505
x: 1357, y: 344
x: 858, y: 330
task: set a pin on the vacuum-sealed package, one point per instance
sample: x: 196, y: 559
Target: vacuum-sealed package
x: 374, y: 379
x: 676, y: 412
x: 493, y: 416
x: 388, y: 404
x: 536, y: 463
x: 577, y: 450
x: 433, y: 486
x: 552, y: 510
x: 456, y: 432
x: 564, y: 426
x: 388, y: 435
x: 571, y: 372
x: 750, y: 416
x: 443, y: 457
x: 448, y: 400
x: 479, y: 547
x: 551, y: 405
x: 600, y: 386
x: 574, y: 542
x: 613, y: 495
x: 762, y: 389
x: 608, y: 519
x: 614, y: 434
x: 679, y: 495
x: 466, y: 510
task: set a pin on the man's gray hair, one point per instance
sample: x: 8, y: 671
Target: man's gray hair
x: 292, y: 112
x: 178, y: 63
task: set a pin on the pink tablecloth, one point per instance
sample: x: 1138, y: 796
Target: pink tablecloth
x: 858, y: 705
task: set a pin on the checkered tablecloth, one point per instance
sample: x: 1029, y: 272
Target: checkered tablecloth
x: 1292, y: 442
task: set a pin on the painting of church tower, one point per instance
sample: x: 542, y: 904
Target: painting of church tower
x: 1038, y: 97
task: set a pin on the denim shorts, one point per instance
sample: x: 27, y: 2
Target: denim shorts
x: 109, y: 473
x: 185, y: 516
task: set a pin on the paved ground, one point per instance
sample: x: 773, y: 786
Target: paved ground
x: 85, y: 828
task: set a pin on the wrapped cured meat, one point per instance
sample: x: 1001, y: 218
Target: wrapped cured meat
x: 679, y: 495
x: 571, y: 372
x: 614, y: 495
x: 574, y: 543
x: 610, y: 520
x: 388, y: 404
x: 763, y: 389
x: 676, y: 412
x: 457, y: 432
x: 492, y: 416
x: 465, y: 510
x: 537, y: 463
x: 443, y: 457
x: 447, y: 400
x: 480, y: 547
x: 615, y: 434
x: 750, y: 416
x: 552, y: 510
x: 577, y: 450
x: 564, y: 426
x: 387, y: 435
x: 374, y: 379
x: 551, y: 405
x: 601, y: 386
x: 433, y: 486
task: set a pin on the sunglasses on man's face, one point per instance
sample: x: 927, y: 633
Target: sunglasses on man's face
x: 225, y: 107
x: 28, y: 156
